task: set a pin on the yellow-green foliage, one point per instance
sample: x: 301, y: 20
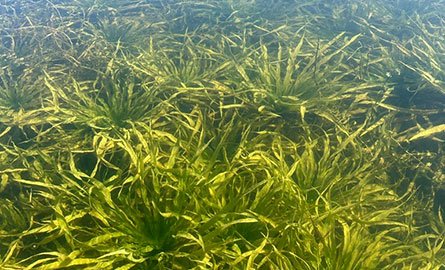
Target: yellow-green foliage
x: 222, y: 134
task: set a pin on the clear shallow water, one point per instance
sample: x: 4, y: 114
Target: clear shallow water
x: 222, y: 134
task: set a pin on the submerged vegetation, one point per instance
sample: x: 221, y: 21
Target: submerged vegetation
x: 220, y: 134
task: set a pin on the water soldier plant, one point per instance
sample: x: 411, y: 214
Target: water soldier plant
x: 221, y: 135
